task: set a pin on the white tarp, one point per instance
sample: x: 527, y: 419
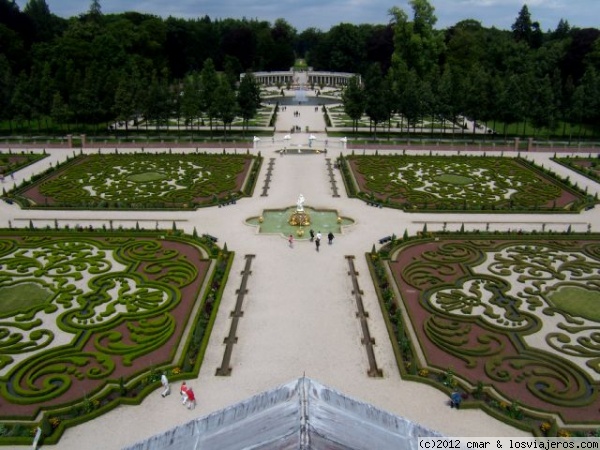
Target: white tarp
x: 302, y: 414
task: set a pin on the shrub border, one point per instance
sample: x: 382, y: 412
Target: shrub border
x: 54, y: 422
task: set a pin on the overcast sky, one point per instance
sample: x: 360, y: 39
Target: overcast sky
x: 324, y: 14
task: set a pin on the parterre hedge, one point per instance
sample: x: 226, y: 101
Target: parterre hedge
x: 110, y: 318
x: 460, y: 184
x: 499, y: 318
x: 142, y: 181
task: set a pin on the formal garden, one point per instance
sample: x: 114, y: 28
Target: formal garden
x: 460, y: 183
x: 11, y: 162
x: 141, y: 181
x: 204, y: 122
x: 91, y: 319
x: 509, y: 321
x: 396, y: 122
x: 588, y: 166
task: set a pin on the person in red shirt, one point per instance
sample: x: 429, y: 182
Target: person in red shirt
x: 191, y: 399
x: 184, y: 393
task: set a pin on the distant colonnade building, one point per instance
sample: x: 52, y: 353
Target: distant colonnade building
x: 304, y: 78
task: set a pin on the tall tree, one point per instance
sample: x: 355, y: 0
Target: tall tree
x: 512, y: 101
x: 40, y: 15
x: 523, y: 26
x: 346, y: 48
x: 238, y: 39
x: 191, y: 103
x: 60, y: 112
x: 562, y: 30
x: 232, y: 69
x: 6, y: 89
x: 128, y: 97
x: 283, y: 35
x: 417, y: 45
x: 542, y: 108
x: 209, y: 82
x: 580, y: 45
x: 588, y: 98
x: 95, y: 11
x: 226, y: 106
x: 465, y: 45
x: 451, y: 89
x: 410, y: 99
x: 525, y: 30
x: 248, y: 98
x: 306, y: 41
x: 353, y: 98
x: 23, y: 99
x: 157, y: 104
x: 476, y: 97
x: 375, y: 94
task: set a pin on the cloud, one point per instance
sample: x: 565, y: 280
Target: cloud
x: 324, y: 14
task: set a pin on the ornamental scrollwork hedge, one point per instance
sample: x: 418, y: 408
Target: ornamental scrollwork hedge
x: 89, y: 320
x: 459, y: 183
x: 142, y: 181
x: 511, y: 321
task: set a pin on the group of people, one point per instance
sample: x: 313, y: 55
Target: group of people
x: 188, y: 398
x: 316, y: 238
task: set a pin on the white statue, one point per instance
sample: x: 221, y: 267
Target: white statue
x: 300, y: 203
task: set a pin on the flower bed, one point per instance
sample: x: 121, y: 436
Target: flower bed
x: 589, y: 166
x: 11, y: 162
x: 510, y: 322
x: 142, y: 181
x: 109, y: 316
x: 459, y: 183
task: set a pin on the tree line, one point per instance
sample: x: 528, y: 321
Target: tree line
x: 96, y: 68
x: 544, y: 80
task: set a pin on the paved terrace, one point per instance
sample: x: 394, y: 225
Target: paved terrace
x: 299, y: 312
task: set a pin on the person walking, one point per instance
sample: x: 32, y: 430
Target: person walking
x: 317, y: 243
x: 191, y: 399
x: 165, y: 384
x: 312, y: 235
x: 330, y: 238
x: 291, y: 241
x: 184, y: 393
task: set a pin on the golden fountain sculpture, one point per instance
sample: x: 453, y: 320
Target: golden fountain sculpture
x: 299, y: 217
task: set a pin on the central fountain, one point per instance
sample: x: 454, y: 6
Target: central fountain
x: 293, y: 219
x: 301, y: 80
x: 299, y: 217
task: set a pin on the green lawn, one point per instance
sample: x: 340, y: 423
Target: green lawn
x: 23, y: 296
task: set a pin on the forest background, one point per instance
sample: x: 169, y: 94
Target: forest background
x: 83, y: 73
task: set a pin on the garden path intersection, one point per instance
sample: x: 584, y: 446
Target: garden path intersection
x: 299, y: 310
